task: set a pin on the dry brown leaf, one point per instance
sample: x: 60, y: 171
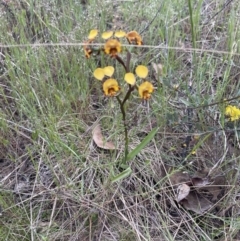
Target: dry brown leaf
x: 100, y: 140
x: 196, y: 203
x: 200, y: 182
x: 182, y: 191
x: 179, y: 177
x: 190, y: 189
x: 215, y: 188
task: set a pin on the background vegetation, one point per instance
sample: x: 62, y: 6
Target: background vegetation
x: 55, y: 182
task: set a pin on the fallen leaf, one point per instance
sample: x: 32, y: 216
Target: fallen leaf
x: 100, y: 140
x: 200, y: 182
x: 190, y: 190
x: 179, y: 177
x: 196, y: 203
x: 215, y: 188
x: 182, y: 191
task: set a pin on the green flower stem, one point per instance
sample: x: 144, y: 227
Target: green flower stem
x: 130, y: 90
x: 119, y: 59
x: 125, y: 128
x: 128, y: 61
x: 122, y: 103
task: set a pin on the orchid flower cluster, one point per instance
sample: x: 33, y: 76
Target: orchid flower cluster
x: 112, y: 47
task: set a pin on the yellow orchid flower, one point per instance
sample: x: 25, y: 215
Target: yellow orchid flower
x: 110, y: 87
x: 112, y: 47
x: 133, y: 37
x: 145, y: 90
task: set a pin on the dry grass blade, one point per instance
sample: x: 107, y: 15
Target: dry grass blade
x: 158, y: 68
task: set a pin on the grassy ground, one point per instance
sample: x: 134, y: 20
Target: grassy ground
x: 54, y: 181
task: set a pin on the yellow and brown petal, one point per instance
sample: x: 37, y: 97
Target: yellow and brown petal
x: 130, y: 78
x: 145, y: 90
x: 107, y: 35
x: 133, y: 37
x: 112, y: 47
x: 87, y: 49
x: 99, y: 74
x: 93, y: 34
x: 119, y: 34
x: 141, y: 71
x: 108, y: 71
x: 110, y: 87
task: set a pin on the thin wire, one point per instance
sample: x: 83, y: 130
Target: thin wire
x: 124, y: 45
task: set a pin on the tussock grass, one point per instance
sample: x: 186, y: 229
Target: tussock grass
x: 55, y: 183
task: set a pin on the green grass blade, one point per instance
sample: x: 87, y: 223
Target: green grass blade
x: 145, y: 141
x: 122, y: 175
